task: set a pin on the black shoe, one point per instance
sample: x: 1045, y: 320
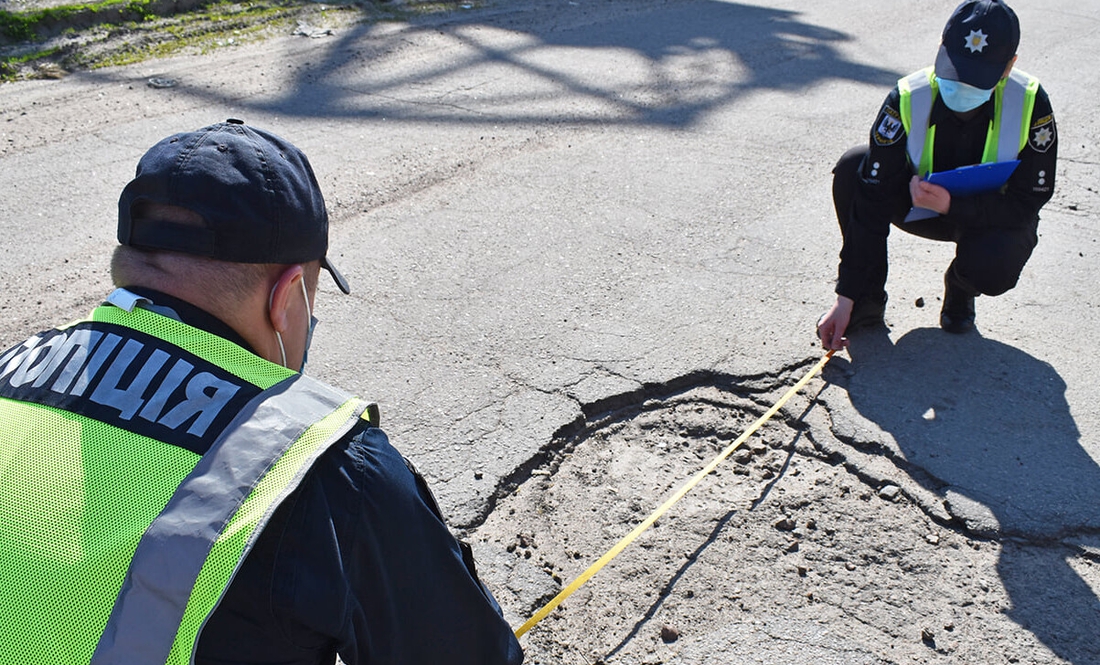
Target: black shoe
x: 957, y: 315
x: 868, y: 311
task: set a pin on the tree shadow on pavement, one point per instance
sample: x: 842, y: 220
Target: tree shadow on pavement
x: 663, y: 64
x: 991, y: 426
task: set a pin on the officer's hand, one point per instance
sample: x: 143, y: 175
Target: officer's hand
x: 831, y: 326
x: 929, y: 196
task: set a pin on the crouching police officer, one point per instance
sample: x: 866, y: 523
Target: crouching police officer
x: 174, y: 490
x: 972, y: 107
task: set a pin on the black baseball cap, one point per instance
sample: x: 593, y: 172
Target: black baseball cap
x: 978, y: 42
x: 256, y: 194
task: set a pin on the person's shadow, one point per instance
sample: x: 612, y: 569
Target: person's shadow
x: 991, y: 427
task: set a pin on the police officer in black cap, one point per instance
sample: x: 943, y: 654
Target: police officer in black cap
x: 972, y: 107
x: 174, y: 488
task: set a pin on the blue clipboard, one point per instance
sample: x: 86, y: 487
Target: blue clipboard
x: 976, y: 179
x: 967, y: 181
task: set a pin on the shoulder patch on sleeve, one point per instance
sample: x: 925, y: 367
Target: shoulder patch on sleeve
x: 1042, y: 134
x: 888, y: 128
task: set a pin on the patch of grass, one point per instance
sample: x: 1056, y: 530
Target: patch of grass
x: 120, y: 32
x: 25, y: 26
x: 33, y: 56
x: 140, y: 36
x: 10, y: 67
x: 16, y: 26
x: 221, y: 25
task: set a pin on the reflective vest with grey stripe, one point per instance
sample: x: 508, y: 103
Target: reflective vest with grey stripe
x: 105, y: 482
x: 1014, y: 103
x: 145, y: 621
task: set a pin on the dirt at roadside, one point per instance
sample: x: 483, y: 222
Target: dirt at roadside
x: 46, y: 39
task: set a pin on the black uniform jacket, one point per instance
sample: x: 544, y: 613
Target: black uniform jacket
x: 356, y: 562
x: 882, y: 191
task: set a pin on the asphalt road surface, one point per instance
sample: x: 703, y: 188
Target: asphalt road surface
x: 588, y: 241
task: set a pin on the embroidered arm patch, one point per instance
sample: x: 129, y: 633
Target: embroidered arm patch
x: 888, y: 128
x: 1042, y: 134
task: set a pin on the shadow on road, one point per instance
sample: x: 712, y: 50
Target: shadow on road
x: 991, y: 424
x: 668, y: 64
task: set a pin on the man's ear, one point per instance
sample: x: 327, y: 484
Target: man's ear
x: 286, y: 288
x: 1008, y: 69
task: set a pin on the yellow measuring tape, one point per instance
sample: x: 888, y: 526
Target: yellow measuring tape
x: 629, y: 538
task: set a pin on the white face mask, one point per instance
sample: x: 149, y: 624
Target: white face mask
x: 960, y: 97
x: 313, y: 321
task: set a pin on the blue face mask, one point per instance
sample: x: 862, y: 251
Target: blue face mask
x: 313, y: 321
x: 961, y: 97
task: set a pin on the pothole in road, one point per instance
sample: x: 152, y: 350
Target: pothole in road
x: 776, y: 550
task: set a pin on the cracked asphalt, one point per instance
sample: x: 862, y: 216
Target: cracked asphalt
x: 588, y: 241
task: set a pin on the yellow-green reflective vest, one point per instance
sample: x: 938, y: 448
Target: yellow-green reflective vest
x: 117, y: 541
x: 1014, y: 103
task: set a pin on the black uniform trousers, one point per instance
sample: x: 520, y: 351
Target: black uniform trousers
x: 987, y: 260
